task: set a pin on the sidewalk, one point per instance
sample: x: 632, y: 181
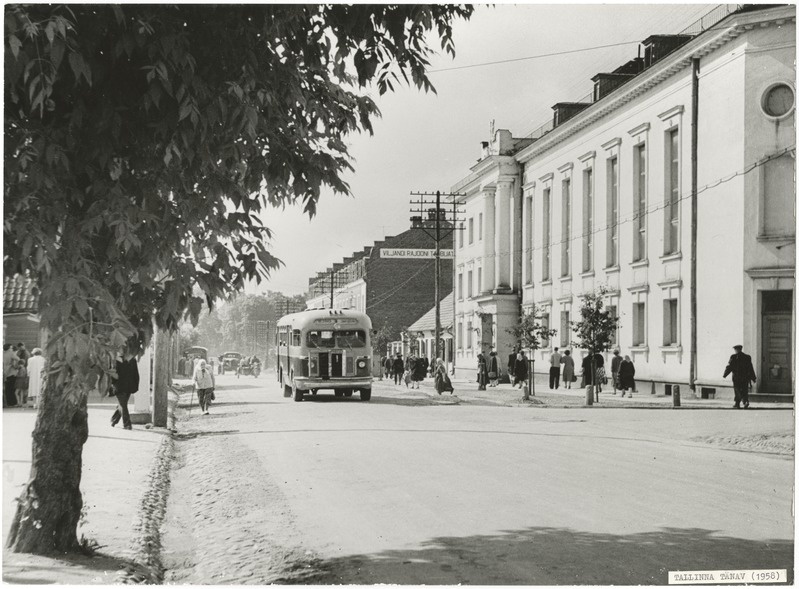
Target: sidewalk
x: 116, y: 483
x: 505, y: 394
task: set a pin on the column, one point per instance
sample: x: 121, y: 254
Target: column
x: 503, y: 235
x: 488, y: 238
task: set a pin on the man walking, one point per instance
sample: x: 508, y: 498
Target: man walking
x: 615, y: 364
x: 398, y: 368
x: 554, y: 370
x: 126, y: 384
x: 740, y: 365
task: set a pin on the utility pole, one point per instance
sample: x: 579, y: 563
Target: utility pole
x: 443, y: 226
x: 331, y: 288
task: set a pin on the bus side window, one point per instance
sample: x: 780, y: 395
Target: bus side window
x: 296, y: 340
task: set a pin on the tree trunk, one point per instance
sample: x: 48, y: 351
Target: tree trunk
x: 49, y: 507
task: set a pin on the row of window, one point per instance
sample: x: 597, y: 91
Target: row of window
x: 471, y: 287
x: 671, y: 218
x: 468, y: 229
x: 671, y: 326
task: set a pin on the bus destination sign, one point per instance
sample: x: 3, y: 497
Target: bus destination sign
x: 397, y: 253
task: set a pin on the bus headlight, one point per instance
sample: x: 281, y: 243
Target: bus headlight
x: 361, y: 364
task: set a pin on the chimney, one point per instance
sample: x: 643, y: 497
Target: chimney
x: 485, y: 150
x: 416, y: 221
x: 566, y: 110
x: 656, y: 47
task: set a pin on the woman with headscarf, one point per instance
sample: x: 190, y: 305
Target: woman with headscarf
x: 35, y: 368
x: 568, y: 369
x: 627, y: 376
x: 204, y: 384
x: 493, y: 369
x: 482, y: 372
x: 443, y: 383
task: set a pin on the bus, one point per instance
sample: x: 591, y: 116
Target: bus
x: 324, y: 349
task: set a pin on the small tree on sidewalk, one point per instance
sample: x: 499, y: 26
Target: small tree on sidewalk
x: 531, y: 333
x: 594, y: 332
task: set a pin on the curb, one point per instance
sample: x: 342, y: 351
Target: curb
x: 147, y: 566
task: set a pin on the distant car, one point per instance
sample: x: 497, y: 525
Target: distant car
x: 231, y: 361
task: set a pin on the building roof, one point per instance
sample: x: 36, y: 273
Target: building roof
x: 20, y: 295
x: 427, y: 322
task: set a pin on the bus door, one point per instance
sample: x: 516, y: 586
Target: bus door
x: 324, y: 365
x: 336, y: 364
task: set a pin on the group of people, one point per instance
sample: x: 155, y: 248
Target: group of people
x: 488, y: 371
x: 22, y: 375
x: 593, y: 372
x: 414, y: 369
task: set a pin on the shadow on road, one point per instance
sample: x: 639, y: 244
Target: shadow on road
x: 538, y: 556
x: 26, y: 569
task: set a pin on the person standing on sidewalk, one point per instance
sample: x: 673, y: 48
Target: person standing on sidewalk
x: 442, y: 381
x: 512, y: 366
x: 482, y: 372
x: 740, y: 365
x: 204, y: 384
x: 626, y: 376
x: 398, y: 368
x: 521, y: 370
x: 9, y: 376
x: 125, y: 384
x: 554, y: 370
x: 35, y: 377
x: 614, y: 369
x: 493, y: 369
x: 568, y: 369
x: 21, y: 382
x: 419, y: 371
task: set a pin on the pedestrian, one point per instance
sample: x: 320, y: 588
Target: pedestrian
x: 204, y: 385
x: 554, y: 370
x: 743, y: 373
x: 9, y: 376
x: 482, y: 372
x: 614, y: 369
x: 410, y: 368
x: 21, y: 382
x: 35, y: 376
x: 493, y: 369
x: 626, y: 376
x: 419, y: 371
x: 125, y: 385
x: 442, y: 381
x: 520, y: 376
x: 512, y: 365
x: 398, y: 368
x: 568, y: 369
x: 387, y: 366
x: 221, y: 368
x: 591, y: 376
x: 426, y: 365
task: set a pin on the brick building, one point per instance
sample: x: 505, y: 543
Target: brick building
x: 393, y: 280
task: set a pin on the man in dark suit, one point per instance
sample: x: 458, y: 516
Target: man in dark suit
x: 126, y: 384
x: 740, y: 365
x: 398, y: 368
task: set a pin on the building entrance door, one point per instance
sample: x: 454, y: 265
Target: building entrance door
x: 776, y: 365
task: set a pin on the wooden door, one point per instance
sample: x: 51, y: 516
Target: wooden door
x: 776, y: 362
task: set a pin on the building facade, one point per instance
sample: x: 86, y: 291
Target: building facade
x: 681, y: 166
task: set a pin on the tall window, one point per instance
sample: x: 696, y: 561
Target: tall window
x: 588, y: 220
x: 471, y: 230
x: 545, y: 325
x: 613, y: 312
x: 470, y: 282
x: 460, y: 335
x: 566, y: 224
x: 671, y: 233
x: 639, y: 198
x: 528, y: 246
x: 480, y: 227
x: 460, y: 238
x: 460, y: 286
x: 670, y: 323
x: 613, y: 212
x: 639, y: 324
x: 547, y: 237
x: 565, y: 328
x: 469, y: 334
x: 480, y: 280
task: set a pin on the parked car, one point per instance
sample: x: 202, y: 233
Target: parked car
x: 230, y: 361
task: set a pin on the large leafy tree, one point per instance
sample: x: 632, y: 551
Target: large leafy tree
x: 143, y: 144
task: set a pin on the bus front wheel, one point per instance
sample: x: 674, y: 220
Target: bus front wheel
x: 366, y: 394
x: 286, y: 388
x: 296, y: 392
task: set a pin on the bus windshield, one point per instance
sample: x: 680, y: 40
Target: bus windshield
x: 350, y: 338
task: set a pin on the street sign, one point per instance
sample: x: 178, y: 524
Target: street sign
x: 404, y: 253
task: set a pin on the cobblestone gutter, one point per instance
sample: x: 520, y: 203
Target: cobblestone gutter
x: 147, y: 567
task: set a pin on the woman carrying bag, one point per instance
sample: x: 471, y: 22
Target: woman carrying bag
x: 204, y: 384
x: 443, y: 383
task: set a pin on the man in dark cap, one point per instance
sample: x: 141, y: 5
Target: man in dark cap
x: 740, y: 365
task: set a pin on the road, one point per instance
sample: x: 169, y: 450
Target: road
x: 415, y: 489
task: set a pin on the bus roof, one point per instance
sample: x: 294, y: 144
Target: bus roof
x: 326, y: 317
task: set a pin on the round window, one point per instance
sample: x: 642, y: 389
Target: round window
x: 778, y: 100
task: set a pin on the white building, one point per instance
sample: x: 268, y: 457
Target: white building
x: 607, y: 197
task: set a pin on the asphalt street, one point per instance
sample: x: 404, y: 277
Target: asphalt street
x: 413, y: 488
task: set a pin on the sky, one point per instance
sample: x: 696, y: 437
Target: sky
x: 428, y: 142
